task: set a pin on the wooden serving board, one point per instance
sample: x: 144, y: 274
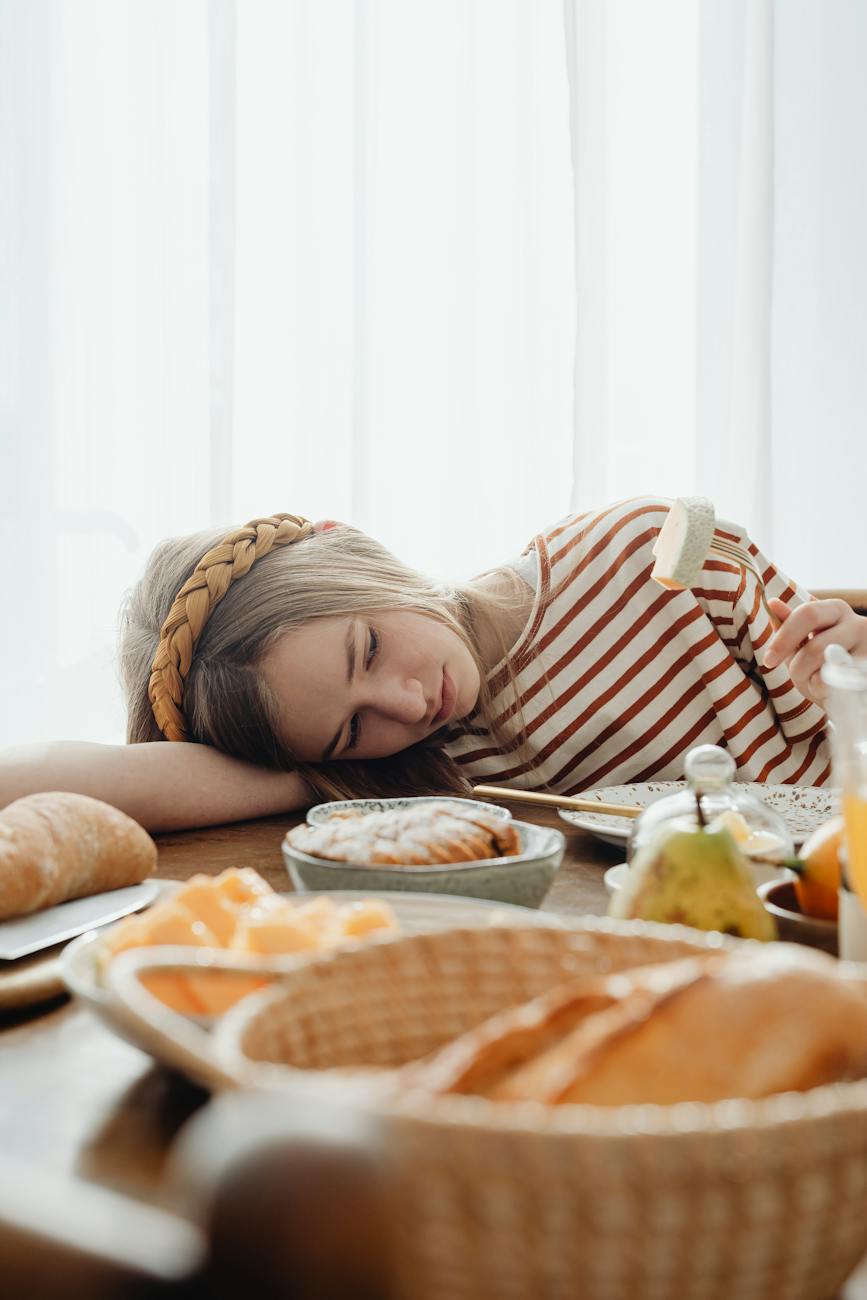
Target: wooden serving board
x: 31, y: 980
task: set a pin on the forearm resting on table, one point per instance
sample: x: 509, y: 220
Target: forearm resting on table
x: 163, y: 786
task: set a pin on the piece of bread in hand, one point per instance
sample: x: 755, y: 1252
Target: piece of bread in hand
x: 58, y: 846
x: 744, y: 1024
x: 417, y: 835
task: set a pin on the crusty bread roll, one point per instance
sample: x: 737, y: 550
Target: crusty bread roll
x: 745, y: 1024
x: 417, y: 835
x: 57, y: 846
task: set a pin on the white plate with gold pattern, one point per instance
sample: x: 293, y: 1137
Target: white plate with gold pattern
x: 802, y: 807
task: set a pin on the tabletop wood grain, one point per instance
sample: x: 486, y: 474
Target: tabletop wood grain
x: 75, y: 1099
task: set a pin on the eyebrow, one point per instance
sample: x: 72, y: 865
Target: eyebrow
x: 350, y: 673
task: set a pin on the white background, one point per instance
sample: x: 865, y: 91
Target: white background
x: 442, y: 270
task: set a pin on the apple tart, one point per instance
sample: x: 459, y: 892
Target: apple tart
x: 422, y: 834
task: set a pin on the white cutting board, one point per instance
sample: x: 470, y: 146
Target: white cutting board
x: 22, y: 935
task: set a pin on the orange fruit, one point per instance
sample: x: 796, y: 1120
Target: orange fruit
x: 818, y: 871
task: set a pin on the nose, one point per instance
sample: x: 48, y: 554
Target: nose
x: 400, y: 699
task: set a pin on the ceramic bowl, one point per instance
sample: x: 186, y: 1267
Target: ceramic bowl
x: 781, y: 901
x: 321, y: 812
x: 523, y: 879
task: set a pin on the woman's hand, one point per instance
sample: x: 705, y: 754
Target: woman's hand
x: 803, y: 635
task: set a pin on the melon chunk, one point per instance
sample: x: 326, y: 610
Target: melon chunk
x: 242, y: 885
x: 323, y: 917
x: 171, y: 923
x: 203, y: 897
x: 683, y: 543
x: 275, y: 931
x: 216, y: 991
x: 237, y: 911
x: 367, y: 916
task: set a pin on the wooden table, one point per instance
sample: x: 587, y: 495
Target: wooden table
x: 74, y: 1099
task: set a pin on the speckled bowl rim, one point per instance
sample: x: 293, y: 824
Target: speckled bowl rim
x: 323, y: 812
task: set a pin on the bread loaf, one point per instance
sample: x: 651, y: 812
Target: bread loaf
x: 702, y: 1029
x: 417, y: 835
x: 58, y: 846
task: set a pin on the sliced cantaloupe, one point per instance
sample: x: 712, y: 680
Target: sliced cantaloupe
x: 204, y: 898
x: 131, y: 932
x: 172, y: 923
x: 242, y: 885
x: 276, y: 932
x: 238, y: 911
x: 322, y: 915
x: 365, y: 917
x: 216, y: 991
x: 682, y: 545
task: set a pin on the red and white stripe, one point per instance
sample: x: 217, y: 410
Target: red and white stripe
x: 617, y: 678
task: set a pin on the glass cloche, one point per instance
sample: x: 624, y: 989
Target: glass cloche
x: 760, y: 833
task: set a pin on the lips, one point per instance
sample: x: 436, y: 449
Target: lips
x: 447, y: 702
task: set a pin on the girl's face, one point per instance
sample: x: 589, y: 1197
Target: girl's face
x: 368, y: 685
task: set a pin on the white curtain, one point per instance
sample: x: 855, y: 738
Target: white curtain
x: 441, y: 270
x: 299, y: 255
x: 721, y: 199
x: 633, y: 79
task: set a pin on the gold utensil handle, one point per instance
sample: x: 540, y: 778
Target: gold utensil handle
x: 558, y: 801
x: 736, y: 554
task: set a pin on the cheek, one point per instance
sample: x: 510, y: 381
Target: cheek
x: 470, y: 680
x: 383, y: 740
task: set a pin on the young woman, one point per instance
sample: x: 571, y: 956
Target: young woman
x: 290, y: 662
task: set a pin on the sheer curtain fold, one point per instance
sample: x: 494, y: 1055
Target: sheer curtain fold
x: 633, y: 92
x: 819, y: 334
x: 312, y: 255
x: 734, y: 282
x: 720, y: 192
x: 441, y: 270
x: 585, y: 30
x: 221, y: 245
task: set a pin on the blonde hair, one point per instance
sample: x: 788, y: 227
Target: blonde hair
x: 226, y: 700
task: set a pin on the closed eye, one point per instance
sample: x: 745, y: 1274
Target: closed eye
x: 373, y: 646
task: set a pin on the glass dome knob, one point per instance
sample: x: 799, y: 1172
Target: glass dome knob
x: 709, y: 768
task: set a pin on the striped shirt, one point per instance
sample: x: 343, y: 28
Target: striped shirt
x: 615, y: 678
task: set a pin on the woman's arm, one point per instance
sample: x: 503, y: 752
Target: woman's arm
x: 164, y: 786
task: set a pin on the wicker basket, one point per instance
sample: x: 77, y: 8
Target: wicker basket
x: 524, y: 1202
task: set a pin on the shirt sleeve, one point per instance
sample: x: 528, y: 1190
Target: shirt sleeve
x: 736, y: 602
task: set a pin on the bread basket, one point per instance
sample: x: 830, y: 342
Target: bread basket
x: 492, y: 1202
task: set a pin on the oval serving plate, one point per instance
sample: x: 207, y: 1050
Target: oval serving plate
x: 416, y: 914
x: 802, y: 808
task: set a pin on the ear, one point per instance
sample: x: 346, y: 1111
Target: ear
x: 323, y: 525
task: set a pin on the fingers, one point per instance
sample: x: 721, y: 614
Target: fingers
x: 779, y: 609
x: 805, y: 667
x: 816, y: 689
x: 800, y: 625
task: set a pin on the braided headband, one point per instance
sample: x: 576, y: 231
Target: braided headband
x: 198, y: 597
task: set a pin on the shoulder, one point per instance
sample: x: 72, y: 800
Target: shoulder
x: 608, y: 547
x: 624, y: 525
